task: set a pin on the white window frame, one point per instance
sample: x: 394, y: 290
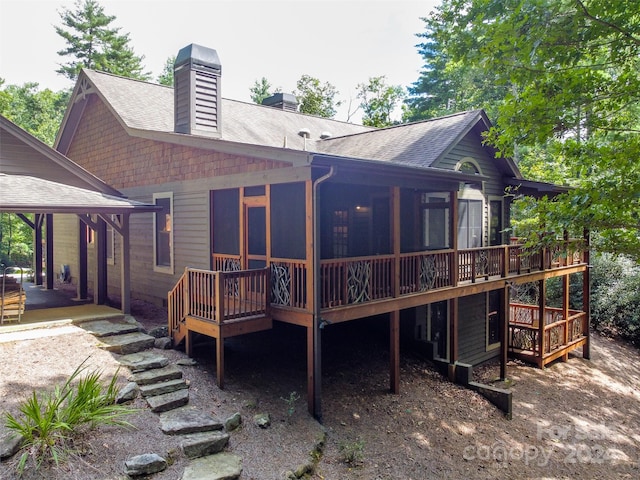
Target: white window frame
x: 169, y: 269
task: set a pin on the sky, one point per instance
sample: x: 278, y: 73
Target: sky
x: 344, y: 42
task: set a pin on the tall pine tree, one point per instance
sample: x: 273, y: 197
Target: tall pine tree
x: 93, y: 43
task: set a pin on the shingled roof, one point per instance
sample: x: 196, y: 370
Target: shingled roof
x: 147, y: 110
x: 418, y: 144
x: 147, y: 107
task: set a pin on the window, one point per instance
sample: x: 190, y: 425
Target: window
x: 470, y: 208
x: 495, y: 222
x: 435, y: 222
x: 340, y: 233
x: 163, y: 233
x: 469, y: 223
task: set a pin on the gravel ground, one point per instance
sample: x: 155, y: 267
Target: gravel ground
x: 574, y: 419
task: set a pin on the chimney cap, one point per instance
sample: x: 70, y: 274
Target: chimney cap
x: 284, y: 101
x: 198, y: 55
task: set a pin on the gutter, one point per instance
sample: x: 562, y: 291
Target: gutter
x: 317, y: 345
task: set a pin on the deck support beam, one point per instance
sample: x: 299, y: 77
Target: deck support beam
x: 220, y: 361
x: 453, y: 330
x: 504, y: 331
x: 542, y: 297
x: 586, y: 296
x: 394, y: 351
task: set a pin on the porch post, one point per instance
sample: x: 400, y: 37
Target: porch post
x: 394, y: 351
x: 504, y: 331
x: 541, y: 320
x: 83, y: 229
x: 37, y: 248
x: 100, y: 294
x: 49, y: 256
x: 586, y: 297
x: 395, y: 239
x: 453, y: 228
x: 125, y: 265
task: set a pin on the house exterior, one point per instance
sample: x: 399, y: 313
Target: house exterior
x: 272, y: 215
x: 36, y: 179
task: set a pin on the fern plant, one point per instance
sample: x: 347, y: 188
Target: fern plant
x: 50, y: 420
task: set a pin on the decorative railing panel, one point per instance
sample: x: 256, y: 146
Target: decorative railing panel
x: 557, y: 332
x: 420, y: 272
x: 356, y: 280
x: 289, y: 283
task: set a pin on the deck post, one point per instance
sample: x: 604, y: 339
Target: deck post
x: 453, y: 330
x: 586, y: 297
x: 394, y: 351
x: 565, y: 313
x: 541, y: 320
x: 504, y: 331
x: 220, y: 360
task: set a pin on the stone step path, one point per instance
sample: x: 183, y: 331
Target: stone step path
x: 202, y: 437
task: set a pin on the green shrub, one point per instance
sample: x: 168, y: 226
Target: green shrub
x: 615, y: 297
x: 352, y: 453
x: 49, y: 421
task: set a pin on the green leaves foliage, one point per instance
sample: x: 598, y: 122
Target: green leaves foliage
x: 378, y: 100
x: 569, y: 113
x: 49, y: 421
x: 93, y: 43
x: 315, y: 97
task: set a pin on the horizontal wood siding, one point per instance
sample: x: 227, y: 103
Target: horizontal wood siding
x: 65, y: 245
x: 472, y: 331
x: 471, y: 147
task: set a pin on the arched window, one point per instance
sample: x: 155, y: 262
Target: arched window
x: 470, y: 208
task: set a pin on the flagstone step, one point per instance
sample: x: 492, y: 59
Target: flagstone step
x: 221, y: 466
x: 168, y: 401
x: 105, y: 328
x: 188, y: 420
x: 196, y: 445
x: 156, y: 375
x: 143, y: 361
x: 127, y: 343
x: 163, y: 387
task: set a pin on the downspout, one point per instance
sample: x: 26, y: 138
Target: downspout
x: 317, y: 350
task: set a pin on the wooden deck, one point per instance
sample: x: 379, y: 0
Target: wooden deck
x: 542, y: 343
x: 219, y: 305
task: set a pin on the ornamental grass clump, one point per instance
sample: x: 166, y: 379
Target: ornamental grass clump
x: 50, y: 421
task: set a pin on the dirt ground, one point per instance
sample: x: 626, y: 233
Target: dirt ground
x: 579, y: 419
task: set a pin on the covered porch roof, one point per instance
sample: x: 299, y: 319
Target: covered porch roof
x: 36, y: 179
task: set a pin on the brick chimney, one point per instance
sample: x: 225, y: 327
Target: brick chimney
x: 282, y: 101
x: 197, y: 75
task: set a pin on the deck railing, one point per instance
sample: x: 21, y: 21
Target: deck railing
x: 219, y: 296
x: 357, y: 280
x: 558, y: 332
